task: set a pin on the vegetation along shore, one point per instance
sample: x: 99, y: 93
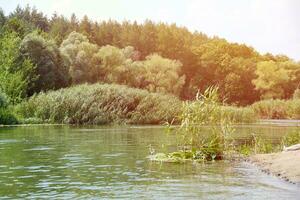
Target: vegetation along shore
x: 69, y: 71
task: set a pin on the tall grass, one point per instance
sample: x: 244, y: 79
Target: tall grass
x: 277, y: 109
x: 205, y: 130
x: 100, y: 104
x: 240, y: 114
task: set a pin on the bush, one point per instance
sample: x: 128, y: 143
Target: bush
x: 7, y: 117
x: 100, y: 104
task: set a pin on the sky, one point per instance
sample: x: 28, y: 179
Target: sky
x: 266, y: 25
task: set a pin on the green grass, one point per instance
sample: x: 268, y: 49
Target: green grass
x: 100, y: 104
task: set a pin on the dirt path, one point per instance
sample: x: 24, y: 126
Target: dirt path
x: 283, y: 164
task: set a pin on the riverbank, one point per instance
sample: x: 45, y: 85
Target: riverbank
x: 285, y: 165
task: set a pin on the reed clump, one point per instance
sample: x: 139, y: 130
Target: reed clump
x: 100, y: 104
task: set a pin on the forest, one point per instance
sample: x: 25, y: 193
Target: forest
x: 53, y: 58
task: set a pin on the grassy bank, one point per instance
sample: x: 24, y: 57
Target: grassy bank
x: 277, y: 109
x: 100, y: 104
x: 197, y: 143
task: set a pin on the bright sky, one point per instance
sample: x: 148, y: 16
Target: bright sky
x: 267, y: 25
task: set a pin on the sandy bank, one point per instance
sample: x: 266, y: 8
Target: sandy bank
x: 283, y: 164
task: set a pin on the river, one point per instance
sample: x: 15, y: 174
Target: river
x: 107, y: 162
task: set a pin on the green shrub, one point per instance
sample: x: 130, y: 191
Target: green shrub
x: 7, y: 117
x: 100, y: 104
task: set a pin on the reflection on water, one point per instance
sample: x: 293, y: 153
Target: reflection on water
x: 61, y: 162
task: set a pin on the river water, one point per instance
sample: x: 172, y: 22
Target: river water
x: 110, y: 162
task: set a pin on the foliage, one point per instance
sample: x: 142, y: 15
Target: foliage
x: 7, y: 117
x: 79, y: 54
x: 158, y: 57
x: 205, y: 130
x: 100, y: 104
x: 50, y: 69
x: 3, y: 100
x: 277, y: 109
x: 230, y: 66
x: 31, y: 16
x: 291, y: 138
x: 275, y: 79
x: 16, y: 73
x: 157, y: 74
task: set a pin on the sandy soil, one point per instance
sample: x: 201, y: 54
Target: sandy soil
x: 283, y: 164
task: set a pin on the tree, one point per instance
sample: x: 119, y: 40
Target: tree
x: 59, y: 28
x: 113, y: 68
x: 85, y: 26
x: 229, y: 66
x: 79, y: 54
x: 276, y: 79
x: 16, y: 73
x: 31, y: 16
x: 158, y: 74
x: 2, y: 19
x: 51, y: 71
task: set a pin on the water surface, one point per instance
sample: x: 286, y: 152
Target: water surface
x: 65, y: 162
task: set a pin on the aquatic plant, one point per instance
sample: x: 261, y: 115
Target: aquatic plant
x: 205, y: 130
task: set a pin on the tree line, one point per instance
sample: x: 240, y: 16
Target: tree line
x: 39, y: 54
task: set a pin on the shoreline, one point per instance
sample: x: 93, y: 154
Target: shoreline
x: 285, y: 165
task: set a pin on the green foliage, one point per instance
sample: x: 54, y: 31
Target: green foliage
x: 100, y: 104
x: 158, y: 57
x: 276, y: 79
x: 109, y: 64
x: 7, y: 117
x: 230, y: 66
x: 79, y: 55
x: 114, y: 65
x: 205, y: 130
x: 3, y: 100
x: 157, y: 74
x: 50, y: 69
x: 31, y: 16
x: 16, y: 73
